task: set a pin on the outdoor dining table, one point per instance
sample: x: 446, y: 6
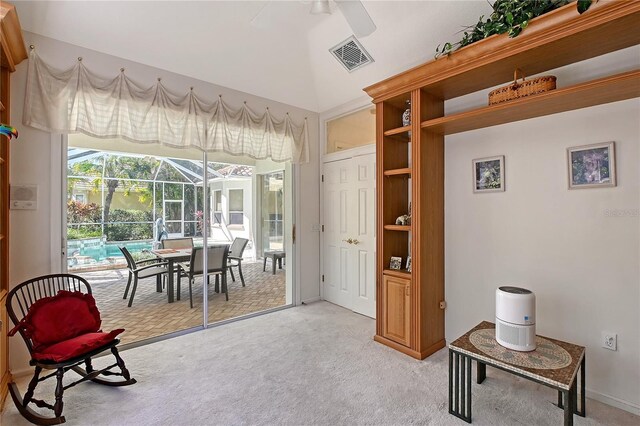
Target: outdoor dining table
x: 173, y: 256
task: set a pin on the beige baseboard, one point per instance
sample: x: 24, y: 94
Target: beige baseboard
x: 613, y: 401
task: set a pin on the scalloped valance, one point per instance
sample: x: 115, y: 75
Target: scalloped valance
x: 76, y: 100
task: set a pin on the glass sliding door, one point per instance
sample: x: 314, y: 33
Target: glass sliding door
x: 137, y: 201
x: 272, y: 211
x: 248, y: 204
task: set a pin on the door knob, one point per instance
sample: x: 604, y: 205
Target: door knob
x: 356, y: 242
x: 348, y: 240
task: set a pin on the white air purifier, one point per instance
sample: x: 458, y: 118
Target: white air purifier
x: 516, y: 318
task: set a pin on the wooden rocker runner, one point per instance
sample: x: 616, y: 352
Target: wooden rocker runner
x: 60, y: 324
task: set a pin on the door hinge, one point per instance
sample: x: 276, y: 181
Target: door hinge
x: 322, y: 228
x: 322, y: 178
x: 293, y: 234
x: 323, y: 278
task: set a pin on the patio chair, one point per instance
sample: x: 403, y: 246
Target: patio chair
x: 216, y: 265
x: 142, y: 269
x: 235, y: 257
x: 178, y: 244
x: 56, y: 316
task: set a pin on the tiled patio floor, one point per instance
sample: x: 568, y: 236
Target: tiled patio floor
x: 152, y: 316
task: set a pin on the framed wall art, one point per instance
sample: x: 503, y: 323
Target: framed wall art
x: 488, y: 174
x: 592, y: 166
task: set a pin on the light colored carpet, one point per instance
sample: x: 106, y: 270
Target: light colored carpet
x: 311, y: 365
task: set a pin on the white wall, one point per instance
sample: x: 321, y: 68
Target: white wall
x: 581, y: 262
x: 36, y: 159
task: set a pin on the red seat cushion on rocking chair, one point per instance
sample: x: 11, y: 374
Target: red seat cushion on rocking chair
x: 64, y: 326
x: 76, y: 346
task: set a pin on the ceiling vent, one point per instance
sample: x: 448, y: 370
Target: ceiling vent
x: 351, y: 54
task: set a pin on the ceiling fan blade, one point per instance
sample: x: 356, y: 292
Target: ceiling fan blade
x: 357, y: 17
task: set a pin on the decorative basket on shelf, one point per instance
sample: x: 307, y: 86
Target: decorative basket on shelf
x: 520, y: 89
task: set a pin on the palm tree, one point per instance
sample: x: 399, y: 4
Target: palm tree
x: 114, y: 171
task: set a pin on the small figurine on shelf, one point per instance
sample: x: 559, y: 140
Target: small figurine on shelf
x: 406, y: 116
x: 405, y: 219
x: 408, y: 268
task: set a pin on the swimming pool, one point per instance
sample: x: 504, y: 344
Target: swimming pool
x: 98, y: 250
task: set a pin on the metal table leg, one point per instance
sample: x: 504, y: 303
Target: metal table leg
x: 460, y: 386
x: 582, y: 412
x: 581, y: 409
x: 568, y: 397
x: 481, y: 372
x: 170, y: 281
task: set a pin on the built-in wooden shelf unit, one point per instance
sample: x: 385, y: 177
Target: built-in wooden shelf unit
x: 409, y: 314
x: 12, y: 52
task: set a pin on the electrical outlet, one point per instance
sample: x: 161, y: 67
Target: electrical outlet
x: 610, y: 340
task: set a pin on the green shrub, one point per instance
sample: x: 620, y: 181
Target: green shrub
x: 89, y: 231
x: 129, y: 231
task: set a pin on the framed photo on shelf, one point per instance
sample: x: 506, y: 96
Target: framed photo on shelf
x: 592, y: 166
x: 408, y: 268
x: 488, y: 174
x: 396, y: 263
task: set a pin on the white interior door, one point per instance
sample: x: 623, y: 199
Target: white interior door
x: 363, y: 229
x: 349, y: 233
x: 337, y: 280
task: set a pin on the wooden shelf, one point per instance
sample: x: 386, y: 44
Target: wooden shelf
x: 397, y: 131
x: 596, y: 92
x: 404, y: 228
x: 397, y: 172
x: 400, y: 273
x: 400, y: 133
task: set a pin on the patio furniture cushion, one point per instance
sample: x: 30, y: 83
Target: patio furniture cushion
x: 60, y: 317
x: 152, y: 272
x: 74, y: 347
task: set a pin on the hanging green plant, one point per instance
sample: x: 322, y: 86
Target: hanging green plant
x: 509, y: 16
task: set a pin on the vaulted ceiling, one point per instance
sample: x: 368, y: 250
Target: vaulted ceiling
x: 283, y: 55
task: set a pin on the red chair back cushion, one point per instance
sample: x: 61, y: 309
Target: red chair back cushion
x: 61, y: 317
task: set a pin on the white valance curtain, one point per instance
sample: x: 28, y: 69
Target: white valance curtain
x: 77, y: 100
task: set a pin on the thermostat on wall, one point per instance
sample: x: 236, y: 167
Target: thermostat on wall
x: 24, y: 197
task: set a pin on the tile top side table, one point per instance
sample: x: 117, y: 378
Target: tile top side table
x: 554, y: 363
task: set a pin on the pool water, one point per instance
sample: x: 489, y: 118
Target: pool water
x: 98, y: 250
